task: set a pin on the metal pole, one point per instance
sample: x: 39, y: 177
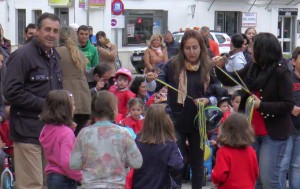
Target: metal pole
x: 88, y: 13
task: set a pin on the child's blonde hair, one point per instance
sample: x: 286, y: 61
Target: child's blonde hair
x: 236, y: 132
x: 136, y: 101
x: 158, y: 127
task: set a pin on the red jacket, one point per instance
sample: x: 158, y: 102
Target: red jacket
x: 136, y: 125
x: 235, y: 168
x: 123, y: 98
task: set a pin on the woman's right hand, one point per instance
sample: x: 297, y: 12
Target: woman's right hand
x: 150, y: 76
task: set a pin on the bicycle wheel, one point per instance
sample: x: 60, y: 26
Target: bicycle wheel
x: 6, y: 182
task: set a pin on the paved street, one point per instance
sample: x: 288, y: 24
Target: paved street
x: 188, y: 186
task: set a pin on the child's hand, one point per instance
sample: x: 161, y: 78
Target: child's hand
x: 213, y: 142
x: 296, y: 111
x: 73, y: 126
x: 151, y: 76
x: 219, y: 61
x: 2, y: 145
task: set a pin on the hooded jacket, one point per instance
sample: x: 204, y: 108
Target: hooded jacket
x: 58, y: 142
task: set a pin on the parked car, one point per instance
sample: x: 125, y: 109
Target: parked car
x: 137, y: 57
x: 137, y: 60
x: 222, y: 39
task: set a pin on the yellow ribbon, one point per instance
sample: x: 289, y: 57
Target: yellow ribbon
x: 249, y: 108
x: 243, y: 87
x: 202, y: 124
x: 166, y: 84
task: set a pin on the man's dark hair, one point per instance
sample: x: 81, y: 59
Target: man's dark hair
x: 45, y: 16
x: 30, y: 26
x: 100, y: 69
x: 237, y: 40
x: 83, y: 27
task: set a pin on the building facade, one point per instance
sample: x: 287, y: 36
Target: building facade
x: 142, y: 18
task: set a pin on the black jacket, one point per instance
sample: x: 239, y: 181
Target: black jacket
x: 276, y: 99
x: 183, y: 116
x: 31, y: 74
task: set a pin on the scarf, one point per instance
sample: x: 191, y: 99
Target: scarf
x: 182, y: 86
x: 158, y: 51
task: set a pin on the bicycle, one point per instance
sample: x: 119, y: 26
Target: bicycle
x: 7, y: 176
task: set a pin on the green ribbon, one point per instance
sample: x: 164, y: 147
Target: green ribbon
x: 202, y: 124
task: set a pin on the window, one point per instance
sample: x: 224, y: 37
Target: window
x: 21, y: 25
x: 63, y: 14
x: 35, y: 15
x: 141, y: 24
x: 228, y: 22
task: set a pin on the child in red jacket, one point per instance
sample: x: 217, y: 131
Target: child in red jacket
x: 236, y: 164
x: 123, y: 94
x: 135, y: 119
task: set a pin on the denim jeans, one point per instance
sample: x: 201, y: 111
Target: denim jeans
x: 274, y: 160
x: 294, y: 171
x: 58, y: 181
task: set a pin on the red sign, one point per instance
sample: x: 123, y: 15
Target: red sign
x: 117, y: 7
x: 114, y: 22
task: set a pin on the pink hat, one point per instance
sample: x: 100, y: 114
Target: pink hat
x: 124, y: 71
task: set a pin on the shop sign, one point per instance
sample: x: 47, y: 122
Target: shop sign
x: 60, y: 3
x: 287, y: 11
x: 249, y: 19
x: 92, y: 3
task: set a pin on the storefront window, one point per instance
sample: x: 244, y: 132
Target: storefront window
x: 140, y: 25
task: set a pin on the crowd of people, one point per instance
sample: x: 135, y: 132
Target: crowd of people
x: 77, y: 119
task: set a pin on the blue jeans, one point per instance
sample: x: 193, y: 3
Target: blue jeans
x: 294, y: 171
x: 274, y: 160
x: 59, y: 181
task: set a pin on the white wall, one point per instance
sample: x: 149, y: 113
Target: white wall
x: 179, y: 16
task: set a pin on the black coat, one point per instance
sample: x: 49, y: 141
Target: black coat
x: 276, y: 99
x: 30, y: 75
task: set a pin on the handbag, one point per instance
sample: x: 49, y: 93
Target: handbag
x: 118, y: 63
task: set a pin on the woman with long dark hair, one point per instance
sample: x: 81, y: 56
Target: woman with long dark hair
x: 189, y: 72
x: 269, y: 82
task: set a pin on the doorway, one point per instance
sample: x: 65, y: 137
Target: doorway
x: 63, y: 14
x: 286, y: 33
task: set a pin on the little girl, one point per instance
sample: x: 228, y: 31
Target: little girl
x: 162, y: 161
x: 104, y: 149
x: 235, y: 101
x: 236, y: 164
x: 120, y: 89
x: 57, y: 139
x: 135, y: 119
